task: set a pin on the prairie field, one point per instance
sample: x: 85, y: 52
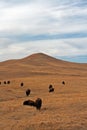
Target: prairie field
x: 63, y: 109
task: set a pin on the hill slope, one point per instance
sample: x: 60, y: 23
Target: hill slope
x: 63, y: 109
x: 40, y: 64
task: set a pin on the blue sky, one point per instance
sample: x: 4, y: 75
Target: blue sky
x: 55, y: 27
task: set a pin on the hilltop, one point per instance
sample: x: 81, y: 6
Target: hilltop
x: 40, y: 64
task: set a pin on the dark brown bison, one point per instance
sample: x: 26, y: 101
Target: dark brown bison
x: 22, y: 84
x: 63, y: 82
x: 4, y: 82
x: 8, y: 82
x: 50, y: 86
x: 51, y: 90
x: 0, y: 83
x: 37, y: 103
x: 28, y: 92
x: 29, y: 102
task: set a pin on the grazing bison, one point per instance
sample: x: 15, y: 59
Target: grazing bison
x: 51, y: 90
x: 50, y: 86
x: 63, y: 82
x: 22, y: 84
x: 8, y: 82
x: 37, y: 103
x: 4, y: 82
x: 29, y: 102
x: 28, y: 92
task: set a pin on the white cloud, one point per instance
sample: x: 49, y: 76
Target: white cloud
x: 41, y: 17
x: 66, y: 47
x: 46, y: 17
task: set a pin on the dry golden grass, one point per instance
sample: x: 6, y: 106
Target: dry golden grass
x: 64, y: 109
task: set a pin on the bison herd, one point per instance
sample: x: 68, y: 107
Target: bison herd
x: 5, y: 82
x: 38, y: 102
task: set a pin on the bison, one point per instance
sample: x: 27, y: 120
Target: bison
x: 4, y: 82
x: 37, y: 103
x: 22, y: 84
x: 50, y: 86
x: 63, y: 82
x: 28, y: 92
x: 29, y: 102
x: 8, y: 82
x: 51, y: 90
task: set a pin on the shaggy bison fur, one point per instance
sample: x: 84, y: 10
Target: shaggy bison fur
x: 37, y: 103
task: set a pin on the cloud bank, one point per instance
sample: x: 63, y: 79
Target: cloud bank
x: 57, y: 28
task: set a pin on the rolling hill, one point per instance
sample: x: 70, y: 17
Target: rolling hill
x: 40, y: 64
x: 63, y: 109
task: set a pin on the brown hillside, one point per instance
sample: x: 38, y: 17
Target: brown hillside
x: 42, y: 64
x: 63, y: 109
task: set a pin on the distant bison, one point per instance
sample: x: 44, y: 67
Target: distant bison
x: 28, y: 92
x: 63, y: 82
x: 29, y: 102
x: 22, y: 84
x: 51, y: 90
x: 4, y: 82
x: 8, y: 82
x: 37, y: 103
x: 50, y: 86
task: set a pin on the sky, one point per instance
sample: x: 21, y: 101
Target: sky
x: 54, y: 27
